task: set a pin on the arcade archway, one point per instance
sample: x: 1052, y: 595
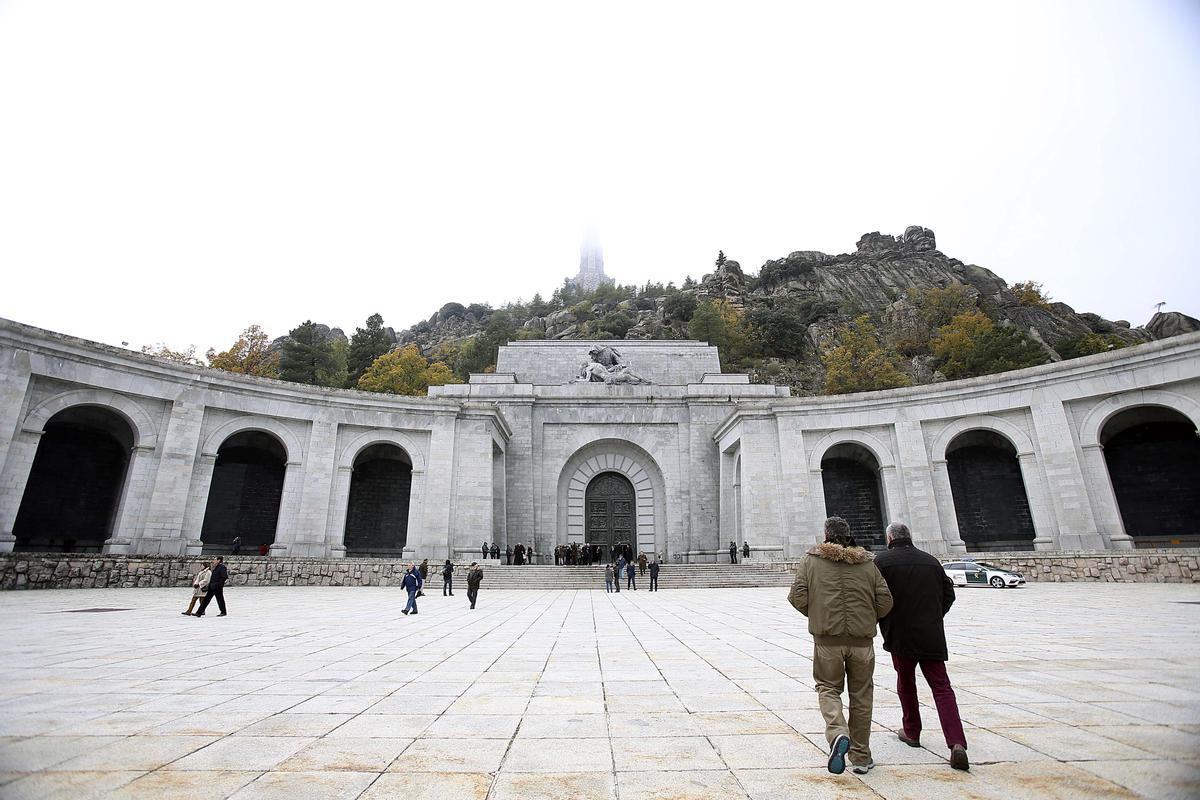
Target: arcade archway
x: 990, y: 502
x: 1153, y: 459
x: 852, y: 482
x: 75, y: 486
x: 380, y: 493
x: 245, y: 493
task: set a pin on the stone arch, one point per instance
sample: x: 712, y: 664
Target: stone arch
x: 77, y: 482
x: 255, y: 422
x: 882, y: 453
x: 361, y: 442
x: 624, y: 458
x: 985, y: 422
x: 1098, y: 417
x: 145, y: 432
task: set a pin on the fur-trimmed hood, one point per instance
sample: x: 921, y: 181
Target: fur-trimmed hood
x: 836, y: 552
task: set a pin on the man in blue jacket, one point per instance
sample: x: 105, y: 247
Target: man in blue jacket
x: 412, y: 585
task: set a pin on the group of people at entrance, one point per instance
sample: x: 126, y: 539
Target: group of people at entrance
x: 629, y: 570
x: 521, y: 554
x: 844, y: 592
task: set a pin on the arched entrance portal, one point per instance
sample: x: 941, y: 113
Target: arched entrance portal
x: 990, y: 503
x: 611, y: 512
x: 851, y: 479
x: 75, y: 485
x: 244, y: 496
x: 1153, y: 458
x: 377, y: 511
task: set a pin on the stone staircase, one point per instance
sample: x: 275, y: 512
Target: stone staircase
x: 673, y: 576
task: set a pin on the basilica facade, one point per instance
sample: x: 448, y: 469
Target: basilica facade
x: 646, y: 442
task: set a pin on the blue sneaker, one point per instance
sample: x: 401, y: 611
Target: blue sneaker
x: 837, y: 754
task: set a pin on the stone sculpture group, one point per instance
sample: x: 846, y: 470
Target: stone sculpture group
x: 605, y: 365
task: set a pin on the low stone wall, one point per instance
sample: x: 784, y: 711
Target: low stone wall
x: 80, y: 571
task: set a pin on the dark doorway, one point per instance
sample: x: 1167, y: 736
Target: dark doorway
x: 75, y: 484
x: 850, y: 476
x: 989, y: 493
x: 243, y: 499
x: 1153, y: 458
x: 377, y: 511
x: 611, y: 516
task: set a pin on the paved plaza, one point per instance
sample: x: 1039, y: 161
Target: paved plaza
x: 1068, y: 690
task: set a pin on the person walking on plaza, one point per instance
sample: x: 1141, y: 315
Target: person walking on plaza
x: 843, y: 595
x: 642, y: 563
x: 654, y: 568
x: 412, y: 585
x: 447, y: 579
x: 199, y: 587
x: 608, y: 578
x: 732, y: 553
x: 216, y: 587
x: 631, y: 571
x: 474, y: 578
x: 424, y: 576
x: 913, y: 632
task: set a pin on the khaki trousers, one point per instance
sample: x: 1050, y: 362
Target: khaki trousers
x: 834, y: 666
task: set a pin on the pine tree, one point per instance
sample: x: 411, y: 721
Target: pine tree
x: 720, y: 258
x: 307, y: 355
x: 366, y: 345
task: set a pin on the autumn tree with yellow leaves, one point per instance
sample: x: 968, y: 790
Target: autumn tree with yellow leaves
x: 249, y: 355
x: 858, y: 362
x: 405, y: 371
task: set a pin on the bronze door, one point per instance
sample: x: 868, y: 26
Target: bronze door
x: 611, y: 512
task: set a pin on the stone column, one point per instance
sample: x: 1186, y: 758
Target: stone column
x: 917, y: 480
x: 895, y: 502
x: 1105, y: 509
x: 1041, y: 508
x: 164, y: 530
x: 761, y: 492
x: 289, y: 510
x: 1069, y: 500
x: 303, y: 535
x: 814, y: 531
x: 13, y: 482
x: 797, y: 490
x: 339, y: 506
x: 951, y: 542
x: 432, y: 534
x: 15, y: 377
x: 135, y: 501
x: 197, y: 503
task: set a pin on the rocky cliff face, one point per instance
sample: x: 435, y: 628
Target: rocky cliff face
x: 879, y: 279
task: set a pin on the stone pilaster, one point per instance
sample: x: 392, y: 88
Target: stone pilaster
x: 163, y: 530
x: 1060, y: 459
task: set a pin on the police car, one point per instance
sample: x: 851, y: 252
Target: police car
x: 968, y: 572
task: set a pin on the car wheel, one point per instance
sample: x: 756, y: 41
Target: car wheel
x: 997, y: 582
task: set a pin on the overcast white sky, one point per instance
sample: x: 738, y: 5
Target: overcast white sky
x: 173, y: 171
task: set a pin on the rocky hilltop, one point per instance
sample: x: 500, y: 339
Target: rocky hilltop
x: 888, y: 279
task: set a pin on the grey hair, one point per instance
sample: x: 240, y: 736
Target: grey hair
x: 898, y: 530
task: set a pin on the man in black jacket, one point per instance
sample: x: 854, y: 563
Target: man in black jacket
x: 474, y: 578
x: 914, y: 634
x: 216, y: 587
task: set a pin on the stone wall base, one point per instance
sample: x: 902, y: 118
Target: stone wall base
x: 81, y: 571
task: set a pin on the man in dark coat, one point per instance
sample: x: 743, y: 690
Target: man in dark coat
x: 732, y: 553
x: 508, y: 554
x: 216, y: 587
x: 654, y: 568
x: 495, y: 551
x: 484, y: 549
x: 474, y: 578
x: 447, y: 579
x: 914, y: 634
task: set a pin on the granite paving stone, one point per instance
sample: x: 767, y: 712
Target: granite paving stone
x: 329, y: 692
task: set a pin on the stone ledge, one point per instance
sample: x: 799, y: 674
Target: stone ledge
x: 83, y: 571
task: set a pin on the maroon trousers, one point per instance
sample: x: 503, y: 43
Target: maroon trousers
x: 943, y: 697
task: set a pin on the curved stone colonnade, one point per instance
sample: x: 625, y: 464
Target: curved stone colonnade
x: 102, y: 449
x: 1091, y: 454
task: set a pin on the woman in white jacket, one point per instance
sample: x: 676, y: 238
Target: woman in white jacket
x: 199, y: 587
